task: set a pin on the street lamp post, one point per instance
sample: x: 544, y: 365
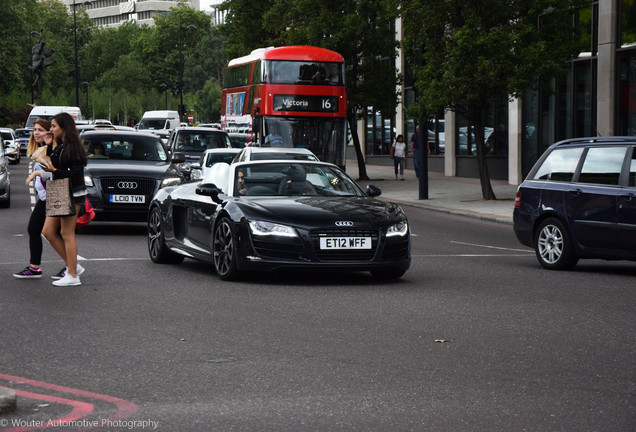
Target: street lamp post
x: 164, y: 86
x: 86, y: 83
x: 32, y: 33
x: 85, y: 3
x: 181, y: 107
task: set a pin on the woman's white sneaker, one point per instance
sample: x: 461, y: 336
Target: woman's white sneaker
x: 68, y: 280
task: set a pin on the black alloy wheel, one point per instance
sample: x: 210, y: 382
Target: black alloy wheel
x: 224, y: 251
x: 157, y: 248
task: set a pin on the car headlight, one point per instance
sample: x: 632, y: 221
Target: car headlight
x: 170, y: 181
x: 261, y: 228
x: 88, y: 180
x: 399, y: 229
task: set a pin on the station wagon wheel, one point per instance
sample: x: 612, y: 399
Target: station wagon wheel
x: 553, y: 246
x: 224, y: 251
x: 157, y: 248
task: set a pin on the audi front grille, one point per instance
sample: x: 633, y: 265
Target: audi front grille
x: 127, y: 186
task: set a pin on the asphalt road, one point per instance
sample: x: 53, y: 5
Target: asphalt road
x: 476, y: 336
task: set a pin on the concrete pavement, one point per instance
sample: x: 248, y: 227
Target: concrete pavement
x: 455, y: 195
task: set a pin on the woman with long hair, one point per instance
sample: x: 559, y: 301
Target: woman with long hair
x: 41, y: 136
x: 68, y: 159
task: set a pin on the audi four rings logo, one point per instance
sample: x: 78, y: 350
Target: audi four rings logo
x: 127, y: 185
x: 344, y: 223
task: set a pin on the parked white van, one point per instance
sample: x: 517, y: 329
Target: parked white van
x: 47, y: 113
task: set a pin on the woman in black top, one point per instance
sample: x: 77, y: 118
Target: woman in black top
x: 69, y: 159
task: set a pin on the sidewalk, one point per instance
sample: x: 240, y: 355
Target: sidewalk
x: 455, y: 195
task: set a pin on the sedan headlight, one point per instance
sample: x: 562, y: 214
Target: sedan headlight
x: 88, y: 180
x: 170, y: 181
x: 399, y: 229
x: 260, y: 228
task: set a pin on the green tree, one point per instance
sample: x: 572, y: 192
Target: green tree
x: 468, y: 55
x: 208, y: 104
x: 15, y: 48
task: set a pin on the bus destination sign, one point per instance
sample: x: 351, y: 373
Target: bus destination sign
x: 306, y: 103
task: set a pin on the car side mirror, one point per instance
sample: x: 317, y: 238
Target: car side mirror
x: 178, y: 157
x: 209, y: 189
x: 373, y: 191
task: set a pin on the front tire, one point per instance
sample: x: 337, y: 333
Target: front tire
x: 157, y: 248
x: 553, y: 246
x: 224, y: 251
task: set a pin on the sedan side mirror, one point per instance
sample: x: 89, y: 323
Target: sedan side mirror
x: 178, y: 157
x: 373, y: 191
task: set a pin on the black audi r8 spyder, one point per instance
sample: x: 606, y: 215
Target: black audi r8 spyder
x: 276, y: 214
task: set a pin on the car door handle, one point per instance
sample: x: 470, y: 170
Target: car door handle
x: 628, y: 197
x: 576, y: 192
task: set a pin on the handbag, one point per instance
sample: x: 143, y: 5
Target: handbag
x: 40, y: 156
x: 59, y: 200
x: 86, y: 215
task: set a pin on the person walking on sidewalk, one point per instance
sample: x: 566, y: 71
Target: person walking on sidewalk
x: 40, y: 137
x: 68, y: 159
x: 398, y: 154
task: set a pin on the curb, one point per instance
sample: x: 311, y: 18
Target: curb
x: 8, y: 400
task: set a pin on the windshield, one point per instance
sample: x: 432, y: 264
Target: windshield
x: 301, y: 72
x: 23, y: 133
x: 152, y: 124
x: 290, y: 179
x: 125, y: 148
x: 322, y: 136
x: 6, y: 136
x: 200, y: 141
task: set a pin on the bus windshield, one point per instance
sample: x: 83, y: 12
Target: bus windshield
x: 299, y: 72
x: 322, y: 136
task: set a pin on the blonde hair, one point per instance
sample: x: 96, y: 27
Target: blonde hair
x: 33, y: 145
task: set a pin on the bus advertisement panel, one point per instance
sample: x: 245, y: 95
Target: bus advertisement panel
x: 291, y: 96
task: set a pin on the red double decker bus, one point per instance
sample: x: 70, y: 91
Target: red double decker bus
x: 292, y: 96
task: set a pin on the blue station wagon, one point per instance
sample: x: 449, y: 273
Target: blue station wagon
x: 579, y: 201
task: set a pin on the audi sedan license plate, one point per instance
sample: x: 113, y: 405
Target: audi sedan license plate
x: 128, y: 199
x: 345, y: 243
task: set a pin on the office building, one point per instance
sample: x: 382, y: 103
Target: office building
x: 596, y: 97
x: 113, y: 13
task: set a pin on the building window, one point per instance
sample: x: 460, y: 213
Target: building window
x: 495, y: 132
x: 628, y: 23
x: 380, y: 133
x: 627, y: 93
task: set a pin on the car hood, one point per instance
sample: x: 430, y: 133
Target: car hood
x: 100, y: 168
x: 314, y: 211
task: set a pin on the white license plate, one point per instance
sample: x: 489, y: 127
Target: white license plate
x: 128, y: 199
x: 345, y: 243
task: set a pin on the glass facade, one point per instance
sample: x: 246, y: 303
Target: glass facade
x: 627, y: 93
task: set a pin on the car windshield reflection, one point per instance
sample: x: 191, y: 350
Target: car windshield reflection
x: 293, y: 179
x: 128, y: 148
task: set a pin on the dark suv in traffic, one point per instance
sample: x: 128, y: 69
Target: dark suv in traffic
x: 579, y: 201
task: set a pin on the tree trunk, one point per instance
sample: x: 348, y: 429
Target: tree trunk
x: 362, y: 168
x: 484, y: 175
